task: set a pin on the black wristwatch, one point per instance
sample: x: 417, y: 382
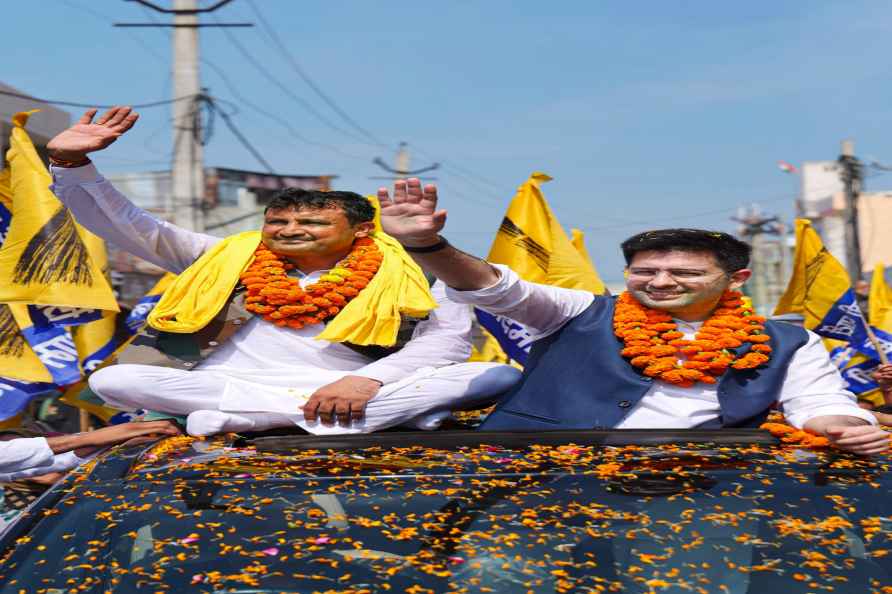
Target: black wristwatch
x: 428, y: 248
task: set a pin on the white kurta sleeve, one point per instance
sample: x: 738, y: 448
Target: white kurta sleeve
x: 103, y: 210
x: 26, y: 452
x: 58, y: 463
x: 442, y: 339
x: 814, y: 388
x: 543, y: 309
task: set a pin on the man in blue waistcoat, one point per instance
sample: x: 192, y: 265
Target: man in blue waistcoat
x: 577, y: 377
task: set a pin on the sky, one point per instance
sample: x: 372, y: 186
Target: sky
x: 646, y: 114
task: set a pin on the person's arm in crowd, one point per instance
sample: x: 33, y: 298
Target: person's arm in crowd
x: 411, y: 216
x: 814, y: 398
x: 59, y: 463
x: 24, y: 452
x: 26, y: 457
x: 883, y: 375
x: 442, y: 339
x: 102, y: 209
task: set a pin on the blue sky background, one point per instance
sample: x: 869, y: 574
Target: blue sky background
x: 647, y: 114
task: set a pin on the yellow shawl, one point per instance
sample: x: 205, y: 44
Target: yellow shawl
x: 372, y: 318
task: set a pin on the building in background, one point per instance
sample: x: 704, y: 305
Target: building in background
x: 823, y: 202
x: 232, y: 201
x: 875, y: 229
x: 42, y: 126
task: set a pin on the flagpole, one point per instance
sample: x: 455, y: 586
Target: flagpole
x: 884, y: 359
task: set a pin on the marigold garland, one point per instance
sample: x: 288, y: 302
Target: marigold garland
x: 653, y: 343
x: 793, y: 436
x: 281, y: 300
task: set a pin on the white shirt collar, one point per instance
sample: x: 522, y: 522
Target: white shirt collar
x: 687, y: 327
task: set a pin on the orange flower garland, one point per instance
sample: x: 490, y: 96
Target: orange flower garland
x: 654, y: 344
x: 281, y: 300
x: 793, y: 436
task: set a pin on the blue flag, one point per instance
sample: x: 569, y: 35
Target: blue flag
x: 5, y: 219
x: 55, y: 349
x: 15, y: 395
x: 57, y: 315
x: 140, y: 312
x: 858, y: 377
x: 844, y: 321
x: 514, y: 338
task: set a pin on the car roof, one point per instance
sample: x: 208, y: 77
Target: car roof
x: 509, y: 512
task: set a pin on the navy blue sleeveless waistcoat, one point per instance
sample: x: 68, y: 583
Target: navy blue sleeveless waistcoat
x: 577, y: 379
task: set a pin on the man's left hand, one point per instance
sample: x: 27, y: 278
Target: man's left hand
x: 344, y: 399
x: 860, y: 439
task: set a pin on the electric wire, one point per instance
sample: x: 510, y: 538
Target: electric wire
x: 91, y: 105
x: 467, y: 174
x: 243, y: 140
x: 216, y: 102
x: 457, y: 170
x: 295, y: 65
x: 233, y: 88
x: 83, y: 8
x: 262, y: 70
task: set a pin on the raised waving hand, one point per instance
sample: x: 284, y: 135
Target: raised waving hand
x: 87, y: 136
x: 411, y: 214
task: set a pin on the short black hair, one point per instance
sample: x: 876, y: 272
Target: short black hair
x: 356, y: 207
x: 730, y: 253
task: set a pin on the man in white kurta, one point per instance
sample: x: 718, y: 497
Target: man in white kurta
x: 261, y: 376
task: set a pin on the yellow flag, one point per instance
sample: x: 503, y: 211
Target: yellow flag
x: 577, y: 238
x: 486, y: 349
x: 532, y: 242
x: 880, y: 301
x: 6, y: 189
x: 45, y: 259
x: 96, y: 340
x: 820, y: 290
x: 17, y: 359
x: 100, y: 342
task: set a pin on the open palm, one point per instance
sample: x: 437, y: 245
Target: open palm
x: 411, y: 214
x: 87, y: 136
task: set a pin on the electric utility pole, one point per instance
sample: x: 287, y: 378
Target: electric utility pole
x: 768, y: 260
x: 851, y: 171
x: 401, y: 168
x: 187, y: 167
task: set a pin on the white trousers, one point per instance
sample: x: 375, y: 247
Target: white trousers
x: 421, y: 400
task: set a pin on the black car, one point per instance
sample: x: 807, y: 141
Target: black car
x: 731, y: 511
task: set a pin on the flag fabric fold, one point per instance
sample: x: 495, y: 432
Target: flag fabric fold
x: 880, y: 300
x: 532, y: 242
x: 821, y: 291
x: 15, y: 395
x: 46, y: 257
x: 54, y: 280
x: 140, y: 312
x: 100, y: 342
x: 53, y: 345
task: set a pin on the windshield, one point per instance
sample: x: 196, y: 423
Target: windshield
x: 546, y: 519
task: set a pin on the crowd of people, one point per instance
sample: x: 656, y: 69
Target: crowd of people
x: 336, y: 317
